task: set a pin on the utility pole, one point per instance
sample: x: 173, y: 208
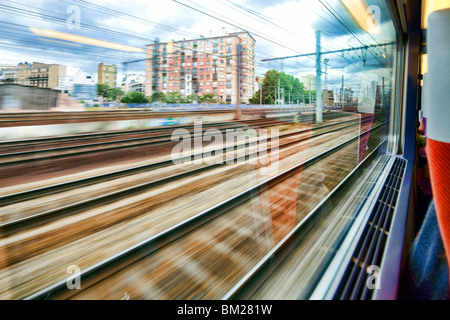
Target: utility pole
x: 342, y: 91
x: 260, y: 94
x: 318, y: 80
x: 310, y: 103
x: 279, y: 91
x: 238, y: 84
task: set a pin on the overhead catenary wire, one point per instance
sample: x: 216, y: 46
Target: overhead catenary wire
x: 96, y: 7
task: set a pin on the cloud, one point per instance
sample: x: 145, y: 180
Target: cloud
x: 281, y: 28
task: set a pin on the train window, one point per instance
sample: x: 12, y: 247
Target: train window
x: 114, y: 188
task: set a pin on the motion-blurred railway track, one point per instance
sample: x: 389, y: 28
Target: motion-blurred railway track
x: 43, y: 118
x: 167, y: 181
x: 89, y: 143
x: 160, y: 267
x: 36, y: 144
x: 10, y: 199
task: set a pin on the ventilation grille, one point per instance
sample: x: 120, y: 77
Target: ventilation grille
x: 369, y: 250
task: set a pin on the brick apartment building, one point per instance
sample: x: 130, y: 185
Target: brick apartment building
x: 36, y: 74
x: 203, y: 66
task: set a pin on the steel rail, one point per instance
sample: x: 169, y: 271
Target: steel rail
x: 268, y: 258
x: 106, y: 144
x: 85, y: 136
x: 12, y: 226
x: 144, y: 248
x: 47, y: 190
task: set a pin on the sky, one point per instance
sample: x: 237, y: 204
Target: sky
x: 281, y: 28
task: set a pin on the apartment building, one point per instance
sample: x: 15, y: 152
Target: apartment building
x: 107, y: 74
x: 35, y: 74
x: 223, y: 66
x: 309, y: 82
x: 133, y: 82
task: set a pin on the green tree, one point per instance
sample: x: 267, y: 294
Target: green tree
x: 207, y: 98
x: 290, y: 85
x: 134, y: 97
x: 158, y: 97
x: 114, y: 94
x: 111, y: 94
x: 173, y: 97
x: 176, y: 97
x: 102, y: 90
x: 313, y: 96
x: 186, y: 99
x: 269, y: 84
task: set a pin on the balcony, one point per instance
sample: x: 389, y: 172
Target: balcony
x: 38, y: 78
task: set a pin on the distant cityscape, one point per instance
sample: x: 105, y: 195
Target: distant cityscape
x: 198, y: 66
x: 222, y: 67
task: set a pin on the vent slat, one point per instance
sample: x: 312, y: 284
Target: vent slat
x: 370, y: 238
x: 370, y: 247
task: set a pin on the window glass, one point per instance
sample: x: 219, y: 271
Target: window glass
x: 79, y: 190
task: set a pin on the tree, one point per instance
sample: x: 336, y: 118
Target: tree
x: 108, y: 93
x: 186, y: 99
x: 313, y: 96
x: 207, y: 98
x: 176, y: 97
x: 269, y: 84
x: 102, y: 90
x: 134, y: 97
x: 290, y: 85
x: 114, y: 94
x: 158, y: 96
x: 173, y: 97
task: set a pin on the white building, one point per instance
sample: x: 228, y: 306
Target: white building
x: 133, y: 82
x: 309, y: 80
x: 81, y: 86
